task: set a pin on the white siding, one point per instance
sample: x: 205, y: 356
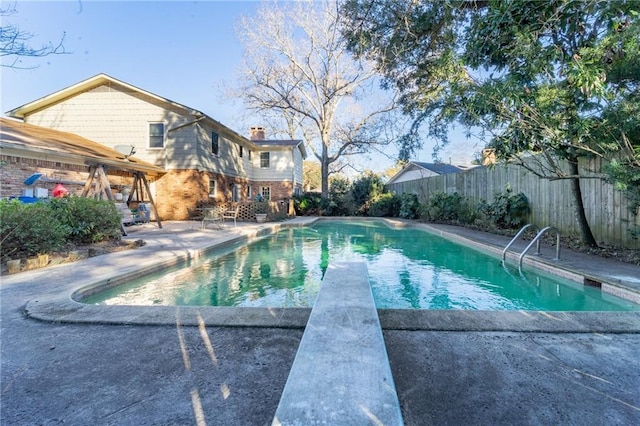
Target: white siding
x: 297, y: 166
x: 228, y: 161
x: 114, y: 116
x: 281, y: 166
x: 236, y: 165
x: 414, y: 174
x: 181, y: 148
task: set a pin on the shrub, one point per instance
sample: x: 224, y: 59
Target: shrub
x: 364, y: 190
x: 507, y: 210
x: 29, y: 229
x: 328, y: 207
x: 46, y: 226
x: 340, y: 201
x: 409, y: 206
x: 88, y: 220
x: 308, y: 204
x: 339, y: 185
x: 443, y: 207
x: 337, y: 203
x: 385, y: 205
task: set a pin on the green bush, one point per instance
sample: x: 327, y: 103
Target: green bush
x: 88, y: 220
x: 339, y: 185
x: 364, y: 191
x: 385, y: 205
x: 507, y: 210
x: 29, y: 229
x: 340, y: 201
x: 409, y: 206
x: 46, y: 226
x: 336, y: 205
x: 308, y: 204
x: 443, y: 207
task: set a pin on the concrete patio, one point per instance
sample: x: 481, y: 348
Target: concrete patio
x: 180, y: 366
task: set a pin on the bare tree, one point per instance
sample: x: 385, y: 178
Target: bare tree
x: 296, y: 68
x: 14, y: 43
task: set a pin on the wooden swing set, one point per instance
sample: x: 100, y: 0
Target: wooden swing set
x: 97, y: 186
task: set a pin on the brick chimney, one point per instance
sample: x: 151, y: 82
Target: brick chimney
x: 256, y: 133
x: 488, y: 157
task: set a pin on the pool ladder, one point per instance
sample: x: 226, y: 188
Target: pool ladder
x: 536, y: 241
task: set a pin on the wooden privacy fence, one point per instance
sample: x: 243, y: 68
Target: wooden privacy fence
x: 607, y: 210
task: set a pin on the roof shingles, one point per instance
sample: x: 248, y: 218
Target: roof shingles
x: 27, y: 136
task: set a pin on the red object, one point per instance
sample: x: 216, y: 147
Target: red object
x: 59, y: 191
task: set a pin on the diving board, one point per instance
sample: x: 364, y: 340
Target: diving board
x: 341, y: 373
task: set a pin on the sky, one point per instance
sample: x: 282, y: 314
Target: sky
x: 185, y: 51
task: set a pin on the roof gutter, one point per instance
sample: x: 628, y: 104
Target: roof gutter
x: 90, y: 161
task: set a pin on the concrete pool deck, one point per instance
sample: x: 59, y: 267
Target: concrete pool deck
x: 163, y: 371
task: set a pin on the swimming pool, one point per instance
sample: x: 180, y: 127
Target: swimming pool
x: 408, y: 268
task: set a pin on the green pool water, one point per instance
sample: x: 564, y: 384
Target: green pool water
x: 408, y: 268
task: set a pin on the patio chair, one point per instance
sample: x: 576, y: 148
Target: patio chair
x: 211, y: 215
x: 232, y: 214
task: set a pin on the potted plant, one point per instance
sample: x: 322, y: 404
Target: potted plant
x: 260, y: 207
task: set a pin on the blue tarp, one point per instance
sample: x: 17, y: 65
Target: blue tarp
x: 26, y: 200
x: 32, y: 179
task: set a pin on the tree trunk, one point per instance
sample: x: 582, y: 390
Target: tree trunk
x: 324, y: 176
x: 578, y: 205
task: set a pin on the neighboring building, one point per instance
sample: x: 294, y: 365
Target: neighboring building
x: 417, y: 170
x: 203, y: 159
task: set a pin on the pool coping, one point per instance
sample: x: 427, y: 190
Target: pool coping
x: 62, y: 308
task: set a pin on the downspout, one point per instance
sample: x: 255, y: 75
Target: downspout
x: 186, y: 124
x: 293, y: 172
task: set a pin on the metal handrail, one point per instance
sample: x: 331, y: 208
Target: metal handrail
x: 513, y: 240
x: 537, y: 239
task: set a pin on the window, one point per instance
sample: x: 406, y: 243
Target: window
x: 241, y: 150
x: 249, y: 154
x: 266, y: 192
x: 213, y: 188
x: 297, y: 192
x: 235, y: 192
x: 249, y: 192
x: 156, y: 135
x: 214, y: 143
x: 264, y: 160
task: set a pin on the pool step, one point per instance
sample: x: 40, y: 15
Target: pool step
x: 341, y: 372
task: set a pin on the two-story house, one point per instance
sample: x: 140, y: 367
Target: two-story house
x: 202, y: 158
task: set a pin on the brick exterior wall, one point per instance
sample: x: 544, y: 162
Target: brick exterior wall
x: 177, y: 194
x: 180, y: 192
x: 15, y: 170
x: 279, y: 190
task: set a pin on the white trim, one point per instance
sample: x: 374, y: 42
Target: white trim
x: 164, y: 135
x: 268, y: 158
x: 215, y: 188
